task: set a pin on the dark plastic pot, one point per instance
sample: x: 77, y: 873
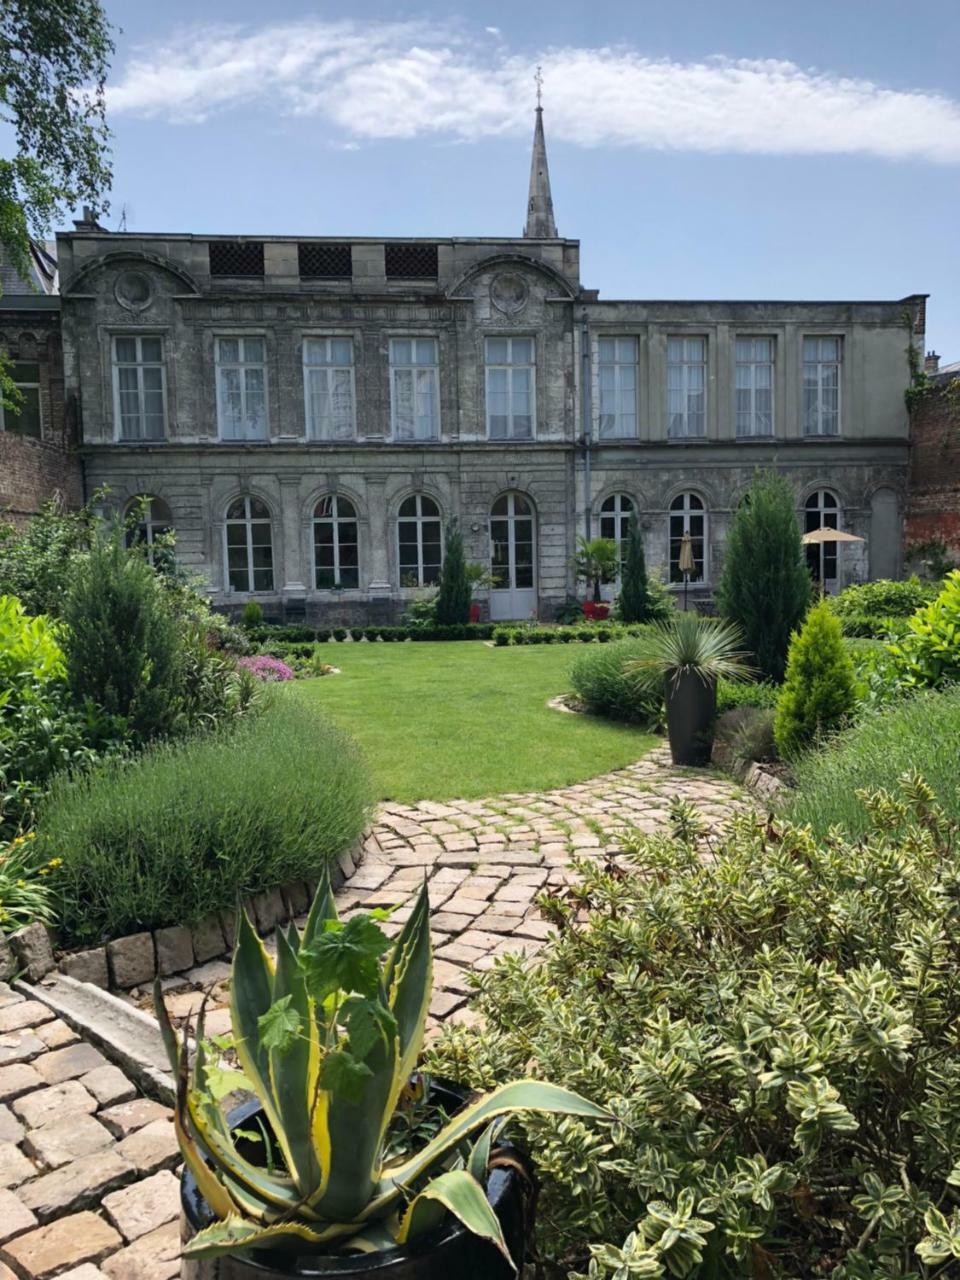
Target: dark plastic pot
x: 449, y: 1253
x: 691, y: 709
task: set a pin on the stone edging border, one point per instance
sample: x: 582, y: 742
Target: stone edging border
x: 765, y: 783
x: 135, y: 960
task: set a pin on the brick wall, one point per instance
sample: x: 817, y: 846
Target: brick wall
x: 933, y: 508
x: 33, y: 471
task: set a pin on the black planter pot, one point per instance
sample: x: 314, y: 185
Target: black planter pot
x: 691, y: 709
x: 449, y: 1253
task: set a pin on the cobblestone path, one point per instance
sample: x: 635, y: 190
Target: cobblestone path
x: 88, y: 1167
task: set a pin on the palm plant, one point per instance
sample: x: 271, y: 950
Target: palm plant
x: 687, y: 656
x: 327, y: 1038
x: 597, y: 561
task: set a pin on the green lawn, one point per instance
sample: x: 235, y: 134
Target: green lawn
x: 438, y: 721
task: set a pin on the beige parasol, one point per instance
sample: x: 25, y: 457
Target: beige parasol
x: 686, y: 564
x: 829, y: 535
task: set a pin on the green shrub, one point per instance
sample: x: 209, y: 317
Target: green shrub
x: 252, y: 615
x: 775, y: 1028
x: 818, y: 693
x: 757, y: 693
x: 765, y: 585
x: 185, y: 828
x: 38, y: 562
x: 871, y: 609
x: 599, y: 678
x: 928, y: 654
x: 455, y: 591
x: 122, y: 645
x: 920, y: 732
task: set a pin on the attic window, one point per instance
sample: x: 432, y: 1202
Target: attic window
x: 236, y: 257
x: 325, y: 261
x: 411, y: 261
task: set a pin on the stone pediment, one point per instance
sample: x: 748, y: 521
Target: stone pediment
x: 510, y: 277
x: 135, y: 271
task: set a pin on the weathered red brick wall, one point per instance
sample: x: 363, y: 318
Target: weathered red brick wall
x: 933, y: 504
x: 33, y: 471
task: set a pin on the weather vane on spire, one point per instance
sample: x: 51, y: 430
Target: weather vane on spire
x: 538, y: 81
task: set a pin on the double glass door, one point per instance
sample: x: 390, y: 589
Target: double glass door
x: 513, y: 558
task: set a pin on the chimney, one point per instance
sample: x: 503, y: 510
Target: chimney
x: 931, y: 362
x: 89, y: 220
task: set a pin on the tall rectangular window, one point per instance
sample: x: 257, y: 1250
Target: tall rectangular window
x: 617, y: 379
x: 686, y: 387
x: 754, y: 386
x: 242, y: 388
x: 138, y: 387
x: 25, y: 418
x: 328, y: 384
x: 414, y: 388
x: 821, y: 386
x: 510, y: 388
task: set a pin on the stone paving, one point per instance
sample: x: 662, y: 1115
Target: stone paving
x: 486, y: 862
x: 88, y: 1167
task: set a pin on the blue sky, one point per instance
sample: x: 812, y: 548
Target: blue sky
x: 703, y: 149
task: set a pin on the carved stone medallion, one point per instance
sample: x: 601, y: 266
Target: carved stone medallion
x: 133, y: 290
x: 509, y: 292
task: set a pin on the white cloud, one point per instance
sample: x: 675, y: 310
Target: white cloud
x: 405, y: 80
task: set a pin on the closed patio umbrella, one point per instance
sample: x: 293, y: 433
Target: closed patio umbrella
x: 686, y: 564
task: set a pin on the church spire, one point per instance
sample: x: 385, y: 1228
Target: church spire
x: 540, y: 223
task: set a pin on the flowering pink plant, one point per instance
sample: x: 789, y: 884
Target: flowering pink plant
x: 266, y: 668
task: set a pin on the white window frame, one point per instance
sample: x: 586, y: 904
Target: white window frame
x: 623, y: 508
x: 327, y: 339
x: 819, y: 364
x: 148, y: 526
x: 822, y: 510
x: 509, y: 366
x: 617, y: 392
x: 15, y: 417
x: 685, y: 512
x: 753, y: 364
x: 336, y: 519
x: 140, y: 364
x: 248, y: 522
x: 685, y: 364
x: 242, y: 364
x: 413, y: 368
x: 419, y: 520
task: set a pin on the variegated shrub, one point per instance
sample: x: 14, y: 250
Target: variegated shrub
x: 327, y: 1037
x: 775, y: 1020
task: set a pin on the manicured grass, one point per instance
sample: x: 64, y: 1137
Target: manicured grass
x: 460, y: 719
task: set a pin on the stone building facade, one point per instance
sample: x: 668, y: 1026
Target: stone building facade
x: 38, y: 458
x: 308, y: 413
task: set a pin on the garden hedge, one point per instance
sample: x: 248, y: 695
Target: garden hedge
x: 187, y: 828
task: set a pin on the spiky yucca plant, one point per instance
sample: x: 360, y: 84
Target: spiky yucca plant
x: 710, y: 648
x: 327, y: 1037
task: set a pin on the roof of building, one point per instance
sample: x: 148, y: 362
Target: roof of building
x: 43, y: 278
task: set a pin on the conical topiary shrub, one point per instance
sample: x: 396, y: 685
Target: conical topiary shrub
x: 818, y: 693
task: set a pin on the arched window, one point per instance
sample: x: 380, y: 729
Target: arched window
x: 336, y: 544
x: 249, y: 542
x: 615, y: 520
x: 822, y: 511
x: 147, y: 519
x: 688, y: 515
x: 419, y: 542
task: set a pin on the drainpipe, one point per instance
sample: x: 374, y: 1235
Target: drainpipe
x: 586, y: 416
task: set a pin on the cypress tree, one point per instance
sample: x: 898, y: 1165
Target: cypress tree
x: 765, y: 585
x: 818, y: 693
x: 634, y: 594
x: 453, y: 598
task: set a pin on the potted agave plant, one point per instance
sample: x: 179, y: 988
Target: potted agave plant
x: 688, y: 655
x: 306, y: 1179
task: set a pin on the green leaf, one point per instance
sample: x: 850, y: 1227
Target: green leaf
x: 236, y: 1233
x: 367, y: 1023
x: 345, y: 957
x: 344, y: 1075
x: 280, y: 1026
x: 460, y: 1193
x: 221, y: 1081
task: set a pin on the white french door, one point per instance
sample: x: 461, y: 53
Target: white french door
x: 513, y: 558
